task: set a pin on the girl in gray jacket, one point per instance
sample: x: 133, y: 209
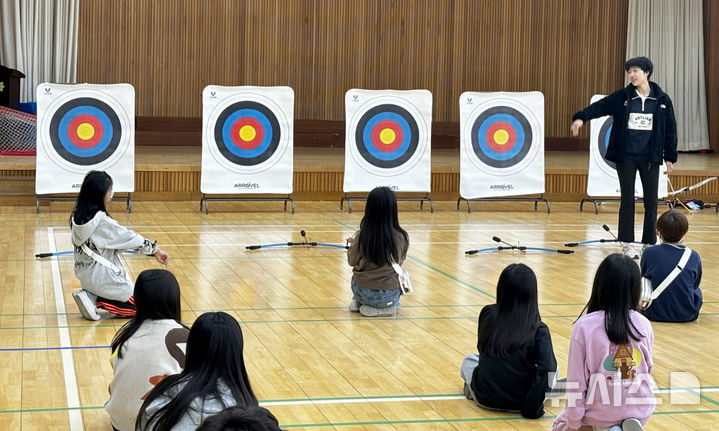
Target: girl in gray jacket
x: 99, y: 239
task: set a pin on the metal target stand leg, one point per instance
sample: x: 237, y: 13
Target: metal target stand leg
x: 536, y: 200
x: 206, y: 199
x: 38, y: 198
x: 599, y: 201
x: 421, y: 200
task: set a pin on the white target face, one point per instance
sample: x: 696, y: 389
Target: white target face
x: 85, y: 129
x: 388, y: 135
x: 247, y: 133
x: 502, y: 136
x: 247, y: 139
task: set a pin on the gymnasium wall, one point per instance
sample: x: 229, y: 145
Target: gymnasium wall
x: 170, y: 49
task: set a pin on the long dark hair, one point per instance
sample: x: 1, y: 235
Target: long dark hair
x: 616, y: 291
x: 91, y: 198
x: 516, y: 314
x: 157, y: 296
x: 376, y: 238
x: 214, y: 355
x: 241, y: 419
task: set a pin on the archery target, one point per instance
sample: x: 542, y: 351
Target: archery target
x: 603, y: 180
x: 247, y: 135
x: 388, y: 139
x: 502, y: 142
x: 81, y: 128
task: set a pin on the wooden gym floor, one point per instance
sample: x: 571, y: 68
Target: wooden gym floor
x: 314, y: 364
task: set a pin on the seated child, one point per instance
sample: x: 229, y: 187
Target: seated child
x: 682, y: 299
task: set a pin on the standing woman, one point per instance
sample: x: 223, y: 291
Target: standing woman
x: 644, y: 133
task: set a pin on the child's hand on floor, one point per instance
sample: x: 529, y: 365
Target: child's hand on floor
x: 162, y: 257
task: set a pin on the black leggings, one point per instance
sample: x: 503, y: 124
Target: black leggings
x: 649, y: 175
x: 119, y: 308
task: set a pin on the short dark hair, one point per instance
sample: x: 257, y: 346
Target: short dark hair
x: 241, y: 419
x: 672, y: 226
x: 641, y: 62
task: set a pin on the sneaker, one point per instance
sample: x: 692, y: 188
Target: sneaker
x: 370, y: 311
x: 632, y: 424
x: 629, y: 250
x: 354, y: 306
x: 85, y: 305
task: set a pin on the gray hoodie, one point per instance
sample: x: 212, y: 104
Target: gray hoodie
x: 106, y: 237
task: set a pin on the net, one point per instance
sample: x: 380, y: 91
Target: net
x: 18, y: 132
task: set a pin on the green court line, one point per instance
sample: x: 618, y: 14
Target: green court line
x: 437, y: 270
x: 377, y: 398
x: 320, y: 320
x: 703, y: 396
x: 339, y: 307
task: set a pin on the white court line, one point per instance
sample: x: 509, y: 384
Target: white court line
x: 68, y: 365
x: 359, y: 400
x: 356, y: 400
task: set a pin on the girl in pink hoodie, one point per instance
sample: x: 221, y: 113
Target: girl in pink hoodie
x: 609, y: 386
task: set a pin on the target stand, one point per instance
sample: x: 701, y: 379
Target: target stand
x: 206, y: 199
x: 598, y: 201
x: 421, y: 199
x: 536, y: 200
x: 38, y: 198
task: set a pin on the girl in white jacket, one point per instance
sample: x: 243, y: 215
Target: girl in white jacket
x: 98, y: 241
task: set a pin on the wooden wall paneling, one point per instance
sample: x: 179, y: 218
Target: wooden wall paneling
x: 170, y: 49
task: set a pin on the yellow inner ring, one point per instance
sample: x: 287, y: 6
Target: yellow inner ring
x: 85, y: 131
x: 387, y: 136
x: 247, y: 133
x: 501, y: 136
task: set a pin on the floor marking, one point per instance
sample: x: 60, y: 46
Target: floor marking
x: 68, y: 365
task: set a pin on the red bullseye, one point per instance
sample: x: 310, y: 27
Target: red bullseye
x: 85, y: 131
x: 247, y: 133
x: 387, y: 136
x: 501, y: 136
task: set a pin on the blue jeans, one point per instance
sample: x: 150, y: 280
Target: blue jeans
x: 375, y: 298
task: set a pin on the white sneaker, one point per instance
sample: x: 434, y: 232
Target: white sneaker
x: 370, y: 311
x: 86, y: 305
x: 629, y: 250
x: 632, y: 424
x: 354, y: 306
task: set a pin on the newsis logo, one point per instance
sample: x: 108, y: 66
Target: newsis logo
x: 501, y: 187
x: 246, y: 186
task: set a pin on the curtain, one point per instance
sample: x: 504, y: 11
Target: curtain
x: 669, y: 32
x: 39, y: 38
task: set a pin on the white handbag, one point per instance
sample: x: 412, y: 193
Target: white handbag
x: 404, y: 282
x: 649, y: 295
